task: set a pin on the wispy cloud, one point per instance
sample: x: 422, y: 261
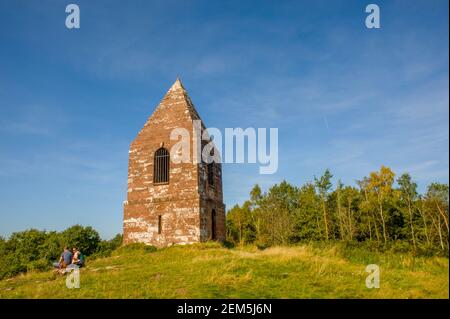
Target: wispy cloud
x: 31, y: 120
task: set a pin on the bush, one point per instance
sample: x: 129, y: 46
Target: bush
x: 36, y: 250
x: 400, y: 246
x: 262, y: 246
x: 26, y: 246
x: 38, y: 265
x: 106, y: 247
x: 86, y: 239
x: 429, y: 250
x: 228, y: 244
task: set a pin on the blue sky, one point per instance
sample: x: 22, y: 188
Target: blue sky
x: 342, y: 96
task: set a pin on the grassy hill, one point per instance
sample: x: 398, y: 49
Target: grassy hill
x: 212, y: 271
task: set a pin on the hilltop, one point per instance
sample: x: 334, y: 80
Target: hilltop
x: 212, y: 271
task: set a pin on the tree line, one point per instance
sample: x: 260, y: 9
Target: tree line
x: 36, y: 250
x: 381, y: 210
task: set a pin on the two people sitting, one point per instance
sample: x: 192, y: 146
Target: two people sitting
x: 69, y: 259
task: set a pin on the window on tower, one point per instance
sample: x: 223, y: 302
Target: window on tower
x: 211, y: 174
x: 161, y: 166
x: 213, y: 225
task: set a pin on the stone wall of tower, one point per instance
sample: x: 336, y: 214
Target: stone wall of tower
x: 211, y: 198
x: 186, y: 202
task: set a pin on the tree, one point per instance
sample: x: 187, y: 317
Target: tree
x: 323, y: 185
x: 307, y: 217
x: 438, y: 194
x: 255, y: 195
x: 86, y: 239
x: 366, y: 209
x: 255, y: 199
x: 422, y: 211
x: 340, y: 215
x: 276, y: 214
x: 240, y: 224
x: 105, y: 247
x: 349, y: 198
x: 408, y: 194
x: 116, y: 242
x: 33, y: 249
x: 26, y: 246
x: 380, y: 184
x: 436, y: 203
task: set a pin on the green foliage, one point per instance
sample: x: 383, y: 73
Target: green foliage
x: 38, y: 265
x: 377, y: 213
x: 35, y: 250
x: 408, y: 188
x: 274, y: 214
x: 307, y: 216
x: 323, y: 184
x: 52, y: 247
x: 86, y: 239
x: 106, y: 247
x: 26, y: 245
x: 21, y: 252
x: 240, y: 225
x: 438, y: 192
x: 228, y: 244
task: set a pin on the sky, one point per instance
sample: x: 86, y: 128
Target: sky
x: 342, y: 96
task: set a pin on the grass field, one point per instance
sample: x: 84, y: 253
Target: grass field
x: 212, y: 271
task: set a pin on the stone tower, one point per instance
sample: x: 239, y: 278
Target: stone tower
x: 167, y: 202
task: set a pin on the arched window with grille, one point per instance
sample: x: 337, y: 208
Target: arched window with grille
x: 161, y: 166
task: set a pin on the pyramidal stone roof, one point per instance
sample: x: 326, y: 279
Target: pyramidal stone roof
x: 175, y: 100
x: 177, y: 85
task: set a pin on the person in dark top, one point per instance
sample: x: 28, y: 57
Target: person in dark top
x: 64, y: 260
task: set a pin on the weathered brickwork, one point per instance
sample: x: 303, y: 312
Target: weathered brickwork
x: 186, y: 209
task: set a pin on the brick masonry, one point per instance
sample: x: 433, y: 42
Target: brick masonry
x: 187, y: 201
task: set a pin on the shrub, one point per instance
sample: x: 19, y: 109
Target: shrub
x: 106, y: 247
x: 262, y: 246
x: 35, y: 250
x: 228, y: 244
x: 38, y: 265
x: 26, y: 246
x: 429, y: 250
x: 400, y: 246
x: 86, y: 239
